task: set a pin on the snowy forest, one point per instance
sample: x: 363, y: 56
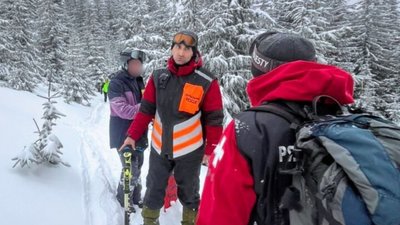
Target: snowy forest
x: 75, y: 44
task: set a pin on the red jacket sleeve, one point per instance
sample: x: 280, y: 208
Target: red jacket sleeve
x: 228, y: 195
x: 213, y: 116
x: 146, y: 112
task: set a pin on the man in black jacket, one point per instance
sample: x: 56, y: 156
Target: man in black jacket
x: 125, y: 94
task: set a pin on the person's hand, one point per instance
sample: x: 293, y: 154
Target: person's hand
x: 206, y: 158
x: 128, y: 141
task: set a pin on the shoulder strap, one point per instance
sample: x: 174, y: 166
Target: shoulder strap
x: 204, y: 74
x: 294, y: 121
x: 161, y: 77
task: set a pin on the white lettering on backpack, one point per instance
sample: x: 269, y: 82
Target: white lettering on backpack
x: 286, y: 154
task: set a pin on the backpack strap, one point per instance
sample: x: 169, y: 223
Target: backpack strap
x: 280, y: 111
x: 324, y: 100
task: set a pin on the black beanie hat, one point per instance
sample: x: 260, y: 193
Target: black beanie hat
x: 271, y: 49
x: 193, y: 35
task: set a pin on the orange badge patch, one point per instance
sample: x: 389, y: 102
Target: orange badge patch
x: 191, y: 98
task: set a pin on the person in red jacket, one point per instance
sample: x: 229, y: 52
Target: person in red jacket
x: 243, y: 185
x: 185, y: 104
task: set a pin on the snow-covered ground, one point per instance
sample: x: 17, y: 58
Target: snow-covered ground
x: 81, y: 194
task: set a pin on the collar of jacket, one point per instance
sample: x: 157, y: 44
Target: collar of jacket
x: 186, y: 69
x: 126, y: 75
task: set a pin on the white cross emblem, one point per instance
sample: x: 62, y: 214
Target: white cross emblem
x: 219, y: 152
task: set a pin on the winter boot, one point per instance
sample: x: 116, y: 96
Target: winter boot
x: 150, y: 216
x: 189, y: 216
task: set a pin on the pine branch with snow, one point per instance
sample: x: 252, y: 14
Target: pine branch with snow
x: 17, y: 47
x: 225, y: 43
x: 52, y: 151
x: 376, y: 62
x: 48, y: 147
x: 27, y: 157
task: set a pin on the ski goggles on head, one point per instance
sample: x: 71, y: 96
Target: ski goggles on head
x: 184, y: 38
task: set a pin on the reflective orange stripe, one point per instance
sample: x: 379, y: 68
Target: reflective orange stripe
x: 187, y: 130
x: 192, y: 141
x: 157, y: 127
x: 156, y: 136
x: 156, y: 141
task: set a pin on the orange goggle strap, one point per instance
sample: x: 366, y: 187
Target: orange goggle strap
x: 186, y: 39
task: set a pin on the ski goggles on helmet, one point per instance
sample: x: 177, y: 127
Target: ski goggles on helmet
x: 134, y: 54
x: 185, y: 38
x: 138, y: 55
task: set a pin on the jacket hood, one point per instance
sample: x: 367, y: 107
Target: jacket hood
x: 301, y: 81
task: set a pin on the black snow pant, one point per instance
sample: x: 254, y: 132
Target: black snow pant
x: 187, y: 175
x: 105, y: 97
x: 136, y: 183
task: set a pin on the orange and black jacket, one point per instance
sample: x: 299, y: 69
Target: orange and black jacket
x: 185, y: 105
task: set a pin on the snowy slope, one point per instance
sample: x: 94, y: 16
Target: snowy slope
x: 39, y: 195
x: 82, y: 194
